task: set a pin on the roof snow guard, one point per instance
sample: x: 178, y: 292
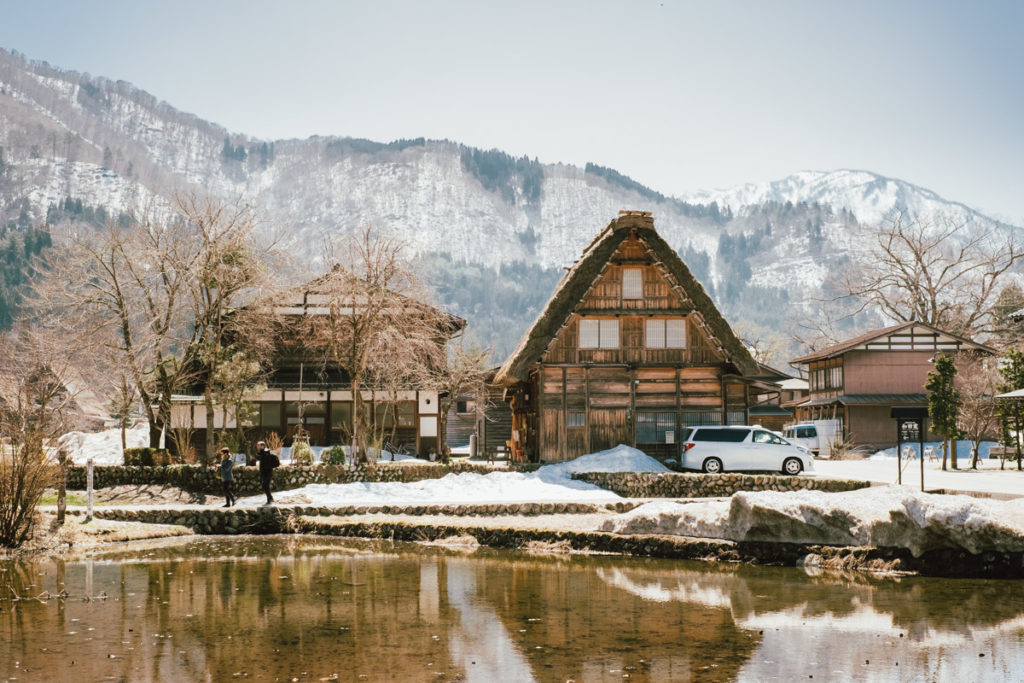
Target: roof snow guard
x: 579, y: 279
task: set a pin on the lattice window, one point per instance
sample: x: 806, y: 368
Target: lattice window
x: 599, y: 334
x: 632, y: 283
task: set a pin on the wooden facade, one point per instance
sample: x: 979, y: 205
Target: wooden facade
x: 858, y: 382
x: 303, y: 393
x: 630, y: 350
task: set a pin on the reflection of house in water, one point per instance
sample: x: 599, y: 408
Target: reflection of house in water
x: 304, y: 390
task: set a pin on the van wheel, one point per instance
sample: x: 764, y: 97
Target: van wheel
x: 712, y: 466
x: 792, y: 466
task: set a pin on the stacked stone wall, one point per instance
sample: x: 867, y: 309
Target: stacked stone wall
x: 199, y: 479
x: 687, y: 485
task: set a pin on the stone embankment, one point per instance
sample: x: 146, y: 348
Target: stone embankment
x: 505, y: 529
x: 199, y: 479
x: 691, y: 485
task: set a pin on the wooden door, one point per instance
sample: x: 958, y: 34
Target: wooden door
x: 608, y: 428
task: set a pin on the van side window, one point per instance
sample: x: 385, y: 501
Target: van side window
x: 806, y: 433
x: 728, y: 435
x: 765, y: 437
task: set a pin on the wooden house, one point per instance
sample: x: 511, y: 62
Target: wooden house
x: 305, y: 393
x: 629, y: 349
x: 486, y: 416
x: 860, y: 381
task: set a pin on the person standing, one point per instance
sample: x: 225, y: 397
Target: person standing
x: 226, y: 476
x: 268, y: 461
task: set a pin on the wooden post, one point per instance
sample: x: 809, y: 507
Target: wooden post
x: 62, y: 485
x: 632, y: 406
x: 88, y: 488
x: 563, y: 423
x: 679, y: 417
x: 586, y: 408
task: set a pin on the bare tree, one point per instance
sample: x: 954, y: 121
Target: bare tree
x: 368, y: 316
x: 978, y: 417
x: 124, y: 289
x: 36, y: 400
x: 933, y: 271
x: 227, y: 266
x: 464, y: 374
x: 163, y: 297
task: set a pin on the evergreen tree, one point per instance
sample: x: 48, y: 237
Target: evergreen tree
x: 1011, y: 411
x: 944, y: 404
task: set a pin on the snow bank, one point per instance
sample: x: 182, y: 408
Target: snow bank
x: 889, y: 516
x: 103, y: 447
x: 551, y: 483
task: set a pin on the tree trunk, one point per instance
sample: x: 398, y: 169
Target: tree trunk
x: 945, y: 454
x: 210, y: 447
x: 952, y: 454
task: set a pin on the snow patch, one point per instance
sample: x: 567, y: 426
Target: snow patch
x: 888, y: 516
x: 550, y: 483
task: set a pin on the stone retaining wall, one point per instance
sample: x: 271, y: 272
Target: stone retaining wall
x: 691, y: 485
x: 310, y: 520
x: 198, y: 479
x: 274, y: 519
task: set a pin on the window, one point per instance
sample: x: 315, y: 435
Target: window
x: 270, y: 414
x: 666, y: 334
x: 576, y: 419
x: 655, y: 427
x: 341, y: 415
x: 766, y: 437
x: 720, y: 434
x: 632, y: 283
x: 599, y: 334
x: 465, y: 406
x: 407, y: 413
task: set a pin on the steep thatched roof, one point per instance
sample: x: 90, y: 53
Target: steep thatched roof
x: 573, y: 287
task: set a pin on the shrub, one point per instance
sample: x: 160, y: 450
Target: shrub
x: 335, y: 455
x: 146, y: 457
x: 25, y: 473
x: 301, y: 452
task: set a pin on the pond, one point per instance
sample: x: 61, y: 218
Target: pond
x: 311, y: 609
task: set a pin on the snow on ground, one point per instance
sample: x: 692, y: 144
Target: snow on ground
x: 889, y: 516
x: 551, y: 483
x: 988, y: 478
x: 103, y: 447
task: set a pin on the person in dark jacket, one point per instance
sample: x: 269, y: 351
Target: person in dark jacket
x: 268, y: 461
x: 226, y: 476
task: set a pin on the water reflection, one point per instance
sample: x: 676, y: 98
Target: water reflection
x: 315, y: 609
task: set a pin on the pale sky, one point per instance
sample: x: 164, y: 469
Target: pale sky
x: 680, y: 96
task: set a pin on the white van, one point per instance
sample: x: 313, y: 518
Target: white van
x: 717, y: 448
x: 804, y: 434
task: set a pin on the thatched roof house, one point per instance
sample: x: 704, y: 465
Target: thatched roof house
x: 629, y: 349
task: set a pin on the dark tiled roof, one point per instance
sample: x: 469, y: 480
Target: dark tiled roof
x: 849, y: 344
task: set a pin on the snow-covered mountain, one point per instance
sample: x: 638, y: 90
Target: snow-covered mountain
x: 872, y: 198
x: 77, y: 148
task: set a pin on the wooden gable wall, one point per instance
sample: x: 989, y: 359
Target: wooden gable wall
x: 588, y: 400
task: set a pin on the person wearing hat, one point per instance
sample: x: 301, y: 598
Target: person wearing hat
x: 226, y: 476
